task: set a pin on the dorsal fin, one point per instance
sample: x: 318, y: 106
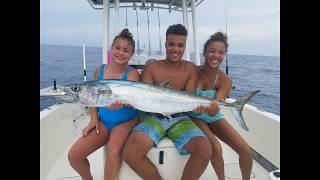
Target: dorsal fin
x: 165, y: 84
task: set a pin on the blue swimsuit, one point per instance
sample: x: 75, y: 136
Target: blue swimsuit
x: 111, y: 118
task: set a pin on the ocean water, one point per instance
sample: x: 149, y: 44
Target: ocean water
x: 65, y: 65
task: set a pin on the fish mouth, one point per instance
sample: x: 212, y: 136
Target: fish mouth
x: 51, y: 91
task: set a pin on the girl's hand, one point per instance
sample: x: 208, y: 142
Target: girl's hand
x: 116, y: 105
x: 212, y: 109
x: 200, y: 109
x: 93, y: 124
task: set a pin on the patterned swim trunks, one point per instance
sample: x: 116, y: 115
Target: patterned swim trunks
x: 178, y: 127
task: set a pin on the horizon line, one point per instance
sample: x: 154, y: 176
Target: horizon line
x: 154, y: 51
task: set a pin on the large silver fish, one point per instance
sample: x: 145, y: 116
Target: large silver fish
x: 145, y: 97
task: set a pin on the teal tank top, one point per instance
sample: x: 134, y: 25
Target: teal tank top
x: 205, y: 116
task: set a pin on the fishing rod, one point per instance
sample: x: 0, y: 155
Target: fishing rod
x: 226, y: 20
x: 54, y: 84
x: 84, y: 62
x: 225, y: 15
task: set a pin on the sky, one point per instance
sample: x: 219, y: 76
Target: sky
x: 253, y: 26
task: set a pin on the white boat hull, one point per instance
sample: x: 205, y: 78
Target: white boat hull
x: 60, y: 127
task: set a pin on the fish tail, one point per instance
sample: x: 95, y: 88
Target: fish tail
x: 238, y: 107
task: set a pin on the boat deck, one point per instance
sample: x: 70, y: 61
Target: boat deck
x: 63, y: 171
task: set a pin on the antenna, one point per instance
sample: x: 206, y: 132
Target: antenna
x: 84, y: 62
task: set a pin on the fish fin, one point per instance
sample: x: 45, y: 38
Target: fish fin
x: 244, y: 99
x: 168, y: 115
x: 238, y: 116
x: 105, y: 91
x: 165, y: 84
x: 238, y: 107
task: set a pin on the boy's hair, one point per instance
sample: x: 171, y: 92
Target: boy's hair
x: 125, y: 34
x: 218, y: 36
x: 177, y: 29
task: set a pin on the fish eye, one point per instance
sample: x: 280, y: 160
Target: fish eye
x: 75, y: 88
